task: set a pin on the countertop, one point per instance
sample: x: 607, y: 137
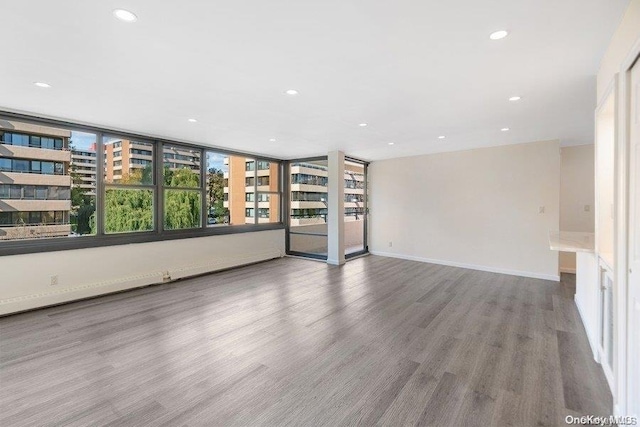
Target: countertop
x: 572, y: 241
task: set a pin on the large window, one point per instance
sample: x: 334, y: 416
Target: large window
x: 41, y: 195
x: 236, y: 190
x: 129, y: 191
x: 58, y: 182
x: 182, y: 189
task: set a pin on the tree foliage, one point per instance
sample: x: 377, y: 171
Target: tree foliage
x: 181, y: 207
x: 83, y: 206
x: 215, y: 196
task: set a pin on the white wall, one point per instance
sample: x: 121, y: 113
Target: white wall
x: 621, y: 43
x: 576, y: 191
x: 26, y: 279
x: 476, y: 208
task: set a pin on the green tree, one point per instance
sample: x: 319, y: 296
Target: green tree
x: 215, y: 196
x: 182, y: 207
x: 128, y: 210
x: 82, y: 204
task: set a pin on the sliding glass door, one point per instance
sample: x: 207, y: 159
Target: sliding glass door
x: 308, y: 207
x: 355, y: 207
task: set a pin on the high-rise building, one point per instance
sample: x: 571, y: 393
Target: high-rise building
x: 84, y: 169
x: 241, y: 174
x: 35, y: 186
x: 309, y: 193
x: 123, y: 157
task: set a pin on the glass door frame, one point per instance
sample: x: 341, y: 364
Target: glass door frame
x: 287, y: 208
x: 365, y: 222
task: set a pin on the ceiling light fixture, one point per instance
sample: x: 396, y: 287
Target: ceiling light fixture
x: 391, y: 143
x: 272, y: 140
x: 497, y: 35
x: 441, y: 137
x: 504, y: 129
x: 192, y: 120
x: 125, y: 15
x: 42, y: 84
x: 363, y: 125
x: 291, y: 92
x: 515, y: 98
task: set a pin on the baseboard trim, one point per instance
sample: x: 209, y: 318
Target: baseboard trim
x: 89, y: 290
x: 567, y: 270
x: 592, y: 342
x: 553, y: 277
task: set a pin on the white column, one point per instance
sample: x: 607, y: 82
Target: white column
x: 335, y: 220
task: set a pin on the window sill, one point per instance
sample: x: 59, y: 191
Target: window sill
x: 21, y: 247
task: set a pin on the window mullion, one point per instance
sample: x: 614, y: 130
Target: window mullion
x: 255, y: 191
x: 158, y: 165
x: 100, y: 187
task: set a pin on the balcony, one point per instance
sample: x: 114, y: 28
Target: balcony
x: 34, y: 179
x: 34, y: 231
x: 33, y: 205
x: 33, y: 153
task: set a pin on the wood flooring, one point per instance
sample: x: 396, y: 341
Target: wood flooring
x: 291, y: 342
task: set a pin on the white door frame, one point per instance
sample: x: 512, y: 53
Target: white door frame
x: 622, y: 400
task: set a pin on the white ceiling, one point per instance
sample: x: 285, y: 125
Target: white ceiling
x: 411, y: 69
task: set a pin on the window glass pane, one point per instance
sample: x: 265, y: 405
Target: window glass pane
x: 128, y: 210
x: 5, y: 218
x: 135, y: 161
x: 60, y: 213
x: 83, y: 171
x: 268, y: 208
x: 47, y: 168
x: 354, y: 207
x: 29, y: 192
x: 182, y: 209
x: 181, y: 166
x: 35, y: 217
x: 21, y: 165
x: 268, y: 174
x: 230, y: 188
x: 16, y: 192
x: 41, y: 193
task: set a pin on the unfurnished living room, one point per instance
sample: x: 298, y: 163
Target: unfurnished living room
x: 320, y: 213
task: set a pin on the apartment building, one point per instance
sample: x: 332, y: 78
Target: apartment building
x: 123, y: 157
x: 34, y: 181
x: 309, y: 193
x: 84, y: 169
x: 241, y: 173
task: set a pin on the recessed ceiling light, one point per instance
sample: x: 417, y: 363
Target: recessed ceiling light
x: 514, y: 98
x: 504, y: 129
x: 362, y: 125
x: 42, y: 84
x: 272, y: 140
x: 497, y: 35
x: 125, y: 15
x: 391, y: 143
x: 441, y: 137
x: 192, y: 120
x: 291, y: 92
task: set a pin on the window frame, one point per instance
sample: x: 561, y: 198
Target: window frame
x: 101, y: 239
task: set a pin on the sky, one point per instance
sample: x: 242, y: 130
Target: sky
x: 82, y: 140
